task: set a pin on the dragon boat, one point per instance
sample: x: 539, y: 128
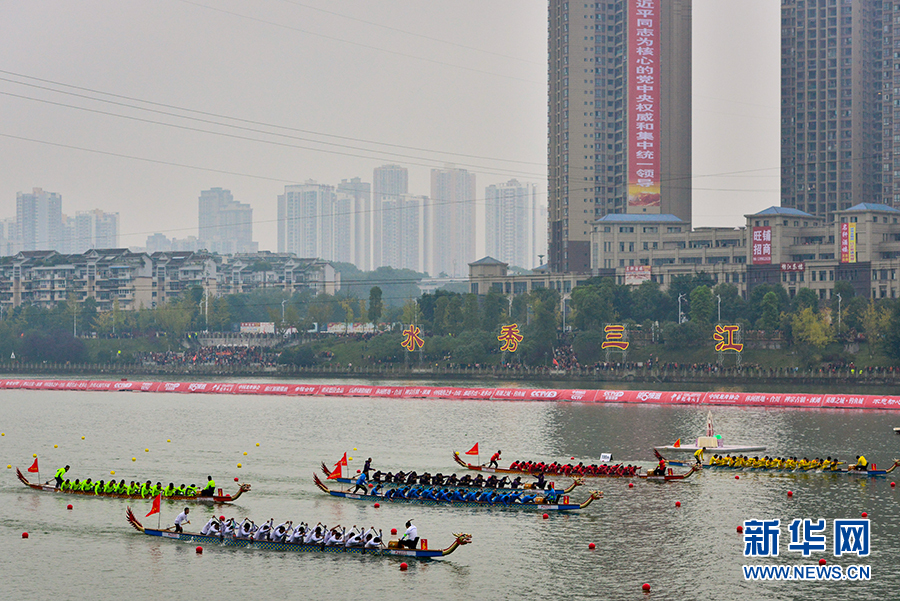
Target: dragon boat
x: 218, y: 498
x: 542, y: 468
x: 526, y: 487
x: 538, y: 503
x: 229, y: 541
x: 816, y: 470
x: 670, y: 475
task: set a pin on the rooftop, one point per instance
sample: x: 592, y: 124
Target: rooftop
x: 783, y: 211
x: 639, y: 218
x: 873, y: 206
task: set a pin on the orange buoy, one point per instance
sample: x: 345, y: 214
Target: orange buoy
x: 24, y: 535
x: 69, y: 507
x: 790, y: 493
x: 646, y: 587
x: 592, y: 546
x: 893, y: 484
x: 393, y: 531
x: 199, y: 550
x: 631, y: 485
x: 740, y: 529
x: 403, y: 566
x: 737, y: 477
x: 377, y: 505
x: 864, y: 514
x: 236, y: 479
x: 677, y: 503
x: 822, y: 562
x: 546, y: 515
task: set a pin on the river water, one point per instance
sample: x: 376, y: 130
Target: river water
x: 686, y: 552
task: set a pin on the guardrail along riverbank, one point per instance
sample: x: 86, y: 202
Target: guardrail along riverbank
x: 712, y: 375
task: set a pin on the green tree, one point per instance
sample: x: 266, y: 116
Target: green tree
x: 471, y: 321
x: 174, y: 317
x: 375, y: 304
x: 876, y: 322
x: 729, y: 300
x: 805, y: 299
x: 439, y: 315
x: 769, y: 317
x: 593, y: 306
x: 702, y: 304
x: 493, y: 311
x: 453, y: 315
x: 812, y: 329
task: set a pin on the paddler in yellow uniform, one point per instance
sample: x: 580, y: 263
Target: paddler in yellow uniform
x: 698, y: 455
x: 861, y: 464
x: 60, y: 474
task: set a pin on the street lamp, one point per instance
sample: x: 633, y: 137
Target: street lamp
x: 282, y: 310
x: 680, y: 314
x: 719, y: 299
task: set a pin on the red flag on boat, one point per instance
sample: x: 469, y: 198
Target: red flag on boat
x: 155, y: 508
x: 335, y: 474
x: 34, y: 468
x: 342, y: 462
x: 677, y: 443
x: 473, y: 450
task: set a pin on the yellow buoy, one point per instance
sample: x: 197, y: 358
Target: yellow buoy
x: 245, y: 452
x: 2, y: 433
x: 146, y: 450
x: 354, y: 448
x: 134, y: 458
x: 34, y: 454
x: 239, y: 465
x: 112, y: 472
x: 168, y: 440
x: 82, y: 438
x: 9, y: 467
x: 56, y: 446
x: 257, y: 444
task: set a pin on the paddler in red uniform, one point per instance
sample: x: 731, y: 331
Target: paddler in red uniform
x: 494, y: 460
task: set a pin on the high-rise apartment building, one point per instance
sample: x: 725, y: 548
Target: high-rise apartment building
x: 353, y: 223
x: 838, y: 128
x: 453, y: 214
x: 388, y: 184
x: 619, y: 117
x: 39, y: 220
x: 306, y: 220
x: 511, y: 222
x: 407, y: 232
x: 226, y: 226
x: 95, y: 229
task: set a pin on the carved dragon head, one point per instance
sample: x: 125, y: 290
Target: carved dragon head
x: 463, y: 538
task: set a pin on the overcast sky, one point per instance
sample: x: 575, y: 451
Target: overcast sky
x: 251, y: 96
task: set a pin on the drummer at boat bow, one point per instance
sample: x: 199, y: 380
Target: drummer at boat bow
x: 210, y: 487
x: 410, y: 537
x: 861, y: 463
x: 495, y: 458
x: 60, y: 473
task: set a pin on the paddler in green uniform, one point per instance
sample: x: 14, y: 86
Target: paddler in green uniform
x: 60, y: 473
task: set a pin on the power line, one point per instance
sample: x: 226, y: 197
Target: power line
x: 237, y: 119
x: 504, y: 173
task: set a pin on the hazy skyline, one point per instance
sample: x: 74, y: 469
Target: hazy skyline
x: 431, y: 83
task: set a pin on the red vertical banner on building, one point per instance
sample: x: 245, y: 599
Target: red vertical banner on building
x: 643, y: 104
x: 761, y: 249
x: 848, y: 243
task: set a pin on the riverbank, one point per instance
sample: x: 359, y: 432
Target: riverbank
x: 710, y: 376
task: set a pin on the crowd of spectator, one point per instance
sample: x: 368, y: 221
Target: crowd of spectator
x: 215, y: 355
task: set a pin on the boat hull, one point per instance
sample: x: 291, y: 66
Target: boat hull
x: 215, y: 499
x: 765, y: 470
x: 433, y: 503
x: 224, y: 541
x: 559, y: 491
